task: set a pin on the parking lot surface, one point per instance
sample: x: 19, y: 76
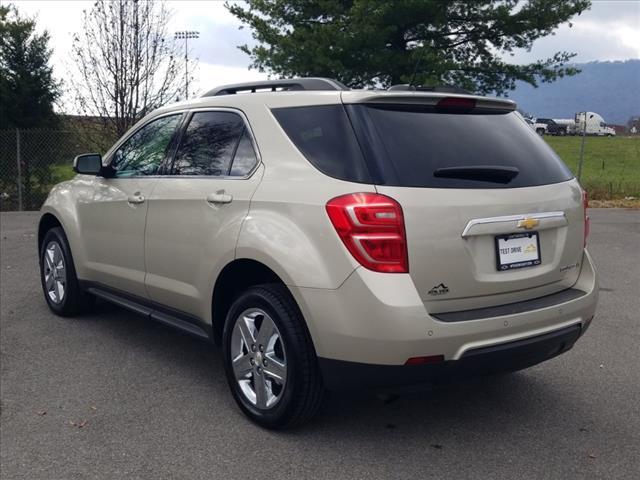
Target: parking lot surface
x: 111, y: 396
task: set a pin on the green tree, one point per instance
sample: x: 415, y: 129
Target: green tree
x: 28, y: 90
x: 381, y: 43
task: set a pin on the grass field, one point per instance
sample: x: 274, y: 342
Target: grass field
x: 611, y: 168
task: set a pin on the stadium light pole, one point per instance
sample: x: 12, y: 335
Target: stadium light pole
x: 186, y: 35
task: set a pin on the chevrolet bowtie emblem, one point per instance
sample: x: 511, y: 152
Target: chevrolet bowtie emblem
x: 528, y: 223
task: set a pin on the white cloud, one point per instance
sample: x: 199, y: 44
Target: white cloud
x: 610, y: 30
x: 210, y: 76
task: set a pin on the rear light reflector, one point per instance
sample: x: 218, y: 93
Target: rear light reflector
x: 425, y: 360
x: 371, y: 226
x: 587, y: 220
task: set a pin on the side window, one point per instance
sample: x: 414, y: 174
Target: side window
x: 245, y: 158
x: 144, y: 151
x: 216, y: 144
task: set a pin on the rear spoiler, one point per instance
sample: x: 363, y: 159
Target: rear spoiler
x: 427, y: 99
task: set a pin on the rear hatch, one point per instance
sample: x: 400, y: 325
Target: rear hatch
x: 492, y: 215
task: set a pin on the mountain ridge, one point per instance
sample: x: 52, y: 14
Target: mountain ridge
x: 610, y: 88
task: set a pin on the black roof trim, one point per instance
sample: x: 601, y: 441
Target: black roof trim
x: 278, y: 85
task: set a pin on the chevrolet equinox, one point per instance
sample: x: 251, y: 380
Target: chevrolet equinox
x: 330, y: 238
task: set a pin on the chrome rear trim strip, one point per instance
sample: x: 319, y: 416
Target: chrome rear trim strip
x: 511, y: 218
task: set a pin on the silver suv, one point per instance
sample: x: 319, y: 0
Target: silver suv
x: 329, y: 238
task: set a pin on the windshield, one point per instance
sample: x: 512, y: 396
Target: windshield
x: 417, y: 145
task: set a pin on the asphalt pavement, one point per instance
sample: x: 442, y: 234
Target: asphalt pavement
x: 110, y: 395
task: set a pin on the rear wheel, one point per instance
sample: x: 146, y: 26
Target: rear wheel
x: 58, y: 276
x: 269, y: 358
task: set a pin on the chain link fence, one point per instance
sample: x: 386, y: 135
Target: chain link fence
x: 32, y: 161
x: 608, y: 162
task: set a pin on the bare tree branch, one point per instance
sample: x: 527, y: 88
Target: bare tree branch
x: 125, y: 63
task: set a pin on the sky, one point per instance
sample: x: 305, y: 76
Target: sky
x: 610, y: 30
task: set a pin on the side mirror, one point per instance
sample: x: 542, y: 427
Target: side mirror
x: 89, y: 164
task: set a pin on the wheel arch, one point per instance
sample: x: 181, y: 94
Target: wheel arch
x: 47, y: 222
x: 236, y: 277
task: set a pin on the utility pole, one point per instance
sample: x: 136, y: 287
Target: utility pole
x: 584, y: 134
x: 186, y: 35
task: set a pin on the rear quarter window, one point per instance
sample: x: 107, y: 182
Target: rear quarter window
x: 324, y: 135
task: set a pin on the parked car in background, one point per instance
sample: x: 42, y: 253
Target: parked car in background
x: 539, y: 128
x: 328, y: 238
x: 552, y: 128
x: 591, y: 123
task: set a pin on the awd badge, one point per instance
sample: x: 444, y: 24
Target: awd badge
x: 439, y: 290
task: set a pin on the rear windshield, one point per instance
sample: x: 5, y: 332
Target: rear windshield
x: 405, y: 146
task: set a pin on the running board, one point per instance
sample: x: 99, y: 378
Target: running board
x: 157, y: 312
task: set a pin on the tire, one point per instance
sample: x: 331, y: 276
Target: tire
x: 540, y: 131
x: 290, y: 395
x: 57, y: 269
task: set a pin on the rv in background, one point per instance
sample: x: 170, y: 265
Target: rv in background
x: 595, y: 125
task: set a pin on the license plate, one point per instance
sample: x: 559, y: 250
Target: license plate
x: 517, y: 250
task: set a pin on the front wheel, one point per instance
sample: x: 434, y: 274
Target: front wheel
x: 269, y: 359
x: 58, y: 276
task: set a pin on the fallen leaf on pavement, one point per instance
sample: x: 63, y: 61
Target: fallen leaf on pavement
x: 42, y: 412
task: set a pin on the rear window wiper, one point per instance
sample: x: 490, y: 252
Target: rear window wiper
x: 484, y: 173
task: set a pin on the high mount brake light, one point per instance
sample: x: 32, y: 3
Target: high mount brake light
x: 456, y: 104
x: 371, y: 226
x: 587, y: 220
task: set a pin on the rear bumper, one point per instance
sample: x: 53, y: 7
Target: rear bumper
x: 506, y: 357
x: 375, y: 322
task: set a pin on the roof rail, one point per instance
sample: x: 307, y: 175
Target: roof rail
x: 436, y: 88
x: 310, y: 83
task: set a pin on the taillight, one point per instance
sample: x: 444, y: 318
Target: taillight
x: 587, y: 220
x: 372, y: 228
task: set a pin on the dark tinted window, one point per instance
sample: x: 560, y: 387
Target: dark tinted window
x: 324, y: 136
x: 209, y: 144
x: 415, y: 143
x: 144, y: 151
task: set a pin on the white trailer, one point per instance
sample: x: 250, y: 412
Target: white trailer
x: 568, y: 123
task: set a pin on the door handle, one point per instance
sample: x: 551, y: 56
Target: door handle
x: 136, y: 198
x: 219, y: 198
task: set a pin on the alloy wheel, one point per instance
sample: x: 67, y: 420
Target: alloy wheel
x: 55, y: 273
x: 259, y: 359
